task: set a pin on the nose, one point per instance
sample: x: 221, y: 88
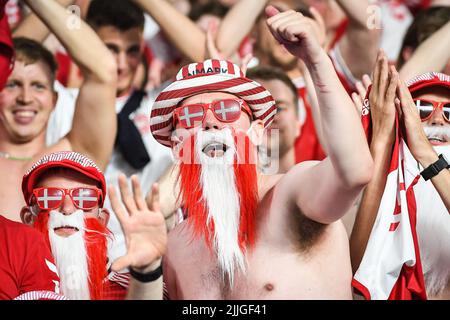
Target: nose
x: 211, y: 122
x: 67, y: 207
x: 121, y: 60
x: 25, y: 97
x: 437, y: 118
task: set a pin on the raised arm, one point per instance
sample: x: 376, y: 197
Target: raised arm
x: 237, y: 24
x: 324, y: 192
x: 359, y: 44
x: 94, y: 125
x: 184, y: 34
x: 33, y: 28
x: 382, y: 107
x: 432, y: 55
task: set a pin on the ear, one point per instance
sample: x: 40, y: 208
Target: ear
x: 27, y: 216
x: 256, y: 132
x: 103, y: 216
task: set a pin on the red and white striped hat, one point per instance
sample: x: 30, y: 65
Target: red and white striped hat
x: 208, y: 76
x: 429, y: 79
x: 63, y: 159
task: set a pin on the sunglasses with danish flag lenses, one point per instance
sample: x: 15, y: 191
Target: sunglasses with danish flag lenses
x: 227, y: 110
x: 52, y: 198
x: 428, y: 107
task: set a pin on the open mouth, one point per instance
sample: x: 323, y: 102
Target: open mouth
x: 215, y: 149
x: 22, y: 116
x: 437, y: 140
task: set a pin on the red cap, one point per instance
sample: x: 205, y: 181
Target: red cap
x: 430, y: 79
x: 64, y: 159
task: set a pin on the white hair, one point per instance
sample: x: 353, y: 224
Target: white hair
x: 70, y: 254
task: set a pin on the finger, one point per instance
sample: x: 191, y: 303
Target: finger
x: 127, y: 198
x: 398, y: 107
x: 376, y: 72
x: 137, y: 192
x: 245, y: 61
x: 405, y: 97
x: 361, y: 90
x: 357, y: 102
x: 116, y: 205
x: 367, y: 82
x: 121, y: 263
x: 155, y: 206
x: 392, y: 87
x: 384, y: 75
x: 271, y: 11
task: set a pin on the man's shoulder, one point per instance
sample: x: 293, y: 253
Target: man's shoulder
x: 19, y: 230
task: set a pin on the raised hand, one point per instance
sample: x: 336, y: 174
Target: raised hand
x: 143, y: 227
x: 296, y: 33
x: 382, y: 99
x: 416, y: 138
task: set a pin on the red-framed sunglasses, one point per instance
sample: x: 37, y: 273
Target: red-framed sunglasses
x: 226, y: 110
x: 428, y: 107
x: 82, y: 198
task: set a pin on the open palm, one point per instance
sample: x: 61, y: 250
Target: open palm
x: 143, y: 226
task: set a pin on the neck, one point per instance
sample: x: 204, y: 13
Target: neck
x: 287, y: 161
x: 124, y: 92
x: 22, y: 150
x: 294, y: 73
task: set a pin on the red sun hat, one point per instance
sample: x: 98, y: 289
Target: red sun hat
x: 207, y: 76
x: 64, y: 159
x: 429, y: 79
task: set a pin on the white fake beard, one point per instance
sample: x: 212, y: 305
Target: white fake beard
x: 440, y: 132
x: 433, y: 229
x: 221, y: 197
x: 70, y: 255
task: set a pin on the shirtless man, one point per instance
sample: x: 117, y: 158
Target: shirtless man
x: 249, y: 236
x: 28, y: 99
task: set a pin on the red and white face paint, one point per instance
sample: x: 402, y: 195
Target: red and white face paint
x: 219, y: 193
x: 81, y: 258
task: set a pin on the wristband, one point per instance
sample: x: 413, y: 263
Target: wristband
x: 147, y: 277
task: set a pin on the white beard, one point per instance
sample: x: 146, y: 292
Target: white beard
x: 221, y: 196
x: 70, y: 255
x: 433, y: 229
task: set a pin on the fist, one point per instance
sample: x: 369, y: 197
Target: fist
x: 296, y: 33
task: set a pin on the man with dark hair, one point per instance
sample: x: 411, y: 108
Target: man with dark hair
x: 120, y: 25
x: 285, y: 127
x: 29, y: 97
x: 424, y: 25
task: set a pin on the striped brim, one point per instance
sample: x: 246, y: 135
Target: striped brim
x: 429, y: 79
x: 208, y: 76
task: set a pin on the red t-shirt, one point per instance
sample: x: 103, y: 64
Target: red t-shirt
x: 26, y: 262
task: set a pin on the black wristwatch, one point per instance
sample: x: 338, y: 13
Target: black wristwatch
x: 435, y: 168
x: 147, y: 277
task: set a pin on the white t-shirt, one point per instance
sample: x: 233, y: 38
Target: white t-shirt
x: 161, y: 157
